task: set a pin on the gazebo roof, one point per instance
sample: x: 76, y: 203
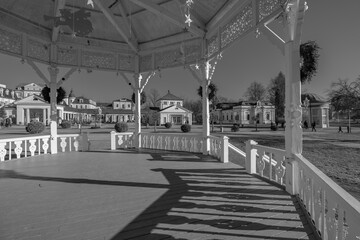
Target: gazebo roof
x: 132, y: 35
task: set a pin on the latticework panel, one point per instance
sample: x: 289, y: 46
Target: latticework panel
x: 10, y: 42
x: 146, y: 63
x: 266, y: 7
x: 126, y: 62
x: 38, y: 50
x: 98, y: 60
x: 237, y: 26
x: 169, y: 58
x: 213, y: 45
x: 67, y: 56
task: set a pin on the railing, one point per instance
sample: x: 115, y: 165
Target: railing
x: 266, y: 161
x: 12, y: 148
x: 68, y: 142
x: 219, y: 148
x: 171, y: 141
x: 121, y: 140
x: 333, y: 211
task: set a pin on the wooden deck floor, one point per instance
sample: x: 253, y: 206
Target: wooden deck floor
x: 141, y: 195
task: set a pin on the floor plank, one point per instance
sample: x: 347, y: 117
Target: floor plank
x: 141, y: 195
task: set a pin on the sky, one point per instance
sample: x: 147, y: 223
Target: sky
x: 333, y: 24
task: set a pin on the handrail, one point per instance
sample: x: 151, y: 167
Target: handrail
x: 243, y: 154
x: 23, y: 138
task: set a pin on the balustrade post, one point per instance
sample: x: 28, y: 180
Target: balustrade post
x: 85, y: 144
x: 225, y: 149
x: 250, y: 163
x: 113, y: 140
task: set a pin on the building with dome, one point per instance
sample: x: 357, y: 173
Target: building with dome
x: 315, y: 109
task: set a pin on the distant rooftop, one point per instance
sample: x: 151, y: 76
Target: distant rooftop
x: 170, y: 96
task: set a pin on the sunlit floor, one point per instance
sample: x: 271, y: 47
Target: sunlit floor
x: 141, y: 195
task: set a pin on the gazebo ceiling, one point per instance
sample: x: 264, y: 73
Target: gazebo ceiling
x: 113, y: 33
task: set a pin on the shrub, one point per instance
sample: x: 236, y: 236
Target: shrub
x: 235, y: 128
x: 274, y: 127
x: 168, y: 125
x: 65, y: 124
x: 186, y: 127
x: 35, y: 127
x: 121, y: 127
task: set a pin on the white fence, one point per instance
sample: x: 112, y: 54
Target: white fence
x: 185, y: 142
x: 31, y: 146
x: 334, y: 212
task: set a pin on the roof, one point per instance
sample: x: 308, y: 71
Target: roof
x: 230, y: 105
x: 116, y: 111
x: 174, y: 106
x: 80, y: 110
x: 170, y: 96
x: 104, y: 105
x: 22, y: 85
x: 122, y: 100
x: 158, y: 33
x: 84, y: 101
x: 313, y: 98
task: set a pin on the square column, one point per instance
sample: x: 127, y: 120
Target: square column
x: 27, y: 115
x: 44, y: 116
x: 53, y: 116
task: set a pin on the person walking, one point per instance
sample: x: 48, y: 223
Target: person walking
x: 313, y: 129
x: 340, y: 130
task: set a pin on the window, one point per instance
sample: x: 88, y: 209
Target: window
x: 164, y: 119
x: 123, y: 106
x: 165, y: 103
x: 178, y: 103
x: 129, y: 105
x: 171, y: 103
x: 248, y: 117
x: 267, y: 116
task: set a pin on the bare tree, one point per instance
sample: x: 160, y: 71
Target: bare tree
x: 152, y: 98
x: 255, y: 92
x: 276, y: 94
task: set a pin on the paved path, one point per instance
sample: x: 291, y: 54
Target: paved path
x: 141, y: 195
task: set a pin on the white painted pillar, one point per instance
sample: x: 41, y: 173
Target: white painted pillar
x: 53, y: 111
x: 44, y: 116
x: 27, y: 115
x: 293, y: 112
x: 205, y: 113
x: 137, y: 79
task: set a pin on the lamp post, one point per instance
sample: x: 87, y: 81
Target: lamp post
x: 306, y: 105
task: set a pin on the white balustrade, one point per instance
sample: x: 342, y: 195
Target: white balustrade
x: 68, y: 142
x: 268, y: 162
x: 121, y: 140
x: 171, y: 141
x: 333, y: 211
x: 219, y: 148
x: 21, y: 147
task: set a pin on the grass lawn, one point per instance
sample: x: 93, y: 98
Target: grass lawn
x: 337, y: 155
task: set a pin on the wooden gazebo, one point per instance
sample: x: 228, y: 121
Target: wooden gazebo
x: 135, y: 38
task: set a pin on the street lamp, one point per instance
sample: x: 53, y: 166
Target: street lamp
x: 306, y: 105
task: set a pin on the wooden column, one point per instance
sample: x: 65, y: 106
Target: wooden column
x: 53, y: 70
x: 205, y: 104
x: 44, y: 116
x: 293, y: 131
x: 27, y: 115
x: 137, y: 79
